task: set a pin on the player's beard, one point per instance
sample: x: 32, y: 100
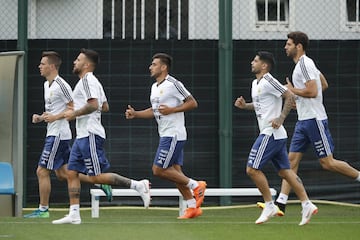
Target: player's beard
x: 291, y: 53
x: 155, y: 75
x: 76, y: 71
x: 255, y: 71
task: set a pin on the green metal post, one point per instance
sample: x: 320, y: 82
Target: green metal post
x: 22, y: 45
x: 225, y: 96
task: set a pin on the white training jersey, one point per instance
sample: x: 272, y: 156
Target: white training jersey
x: 87, y: 88
x: 56, y: 96
x: 172, y: 93
x: 267, y: 99
x: 308, y: 108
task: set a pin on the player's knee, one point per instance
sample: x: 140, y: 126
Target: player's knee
x: 250, y: 171
x: 157, y: 171
x: 327, y: 163
x: 42, y: 172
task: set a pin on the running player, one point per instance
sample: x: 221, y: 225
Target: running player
x: 170, y: 99
x: 87, y: 154
x: 270, y: 146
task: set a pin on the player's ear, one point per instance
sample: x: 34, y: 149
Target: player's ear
x: 163, y: 67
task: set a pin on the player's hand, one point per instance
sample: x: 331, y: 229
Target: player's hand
x: 276, y: 123
x: 130, y: 112
x: 240, y: 102
x: 48, y: 117
x: 165, y: 110
x: 36, y: 118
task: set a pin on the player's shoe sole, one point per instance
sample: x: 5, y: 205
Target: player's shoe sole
x: 191, y: 213
x: 67, y: 220
x: 38, y: 214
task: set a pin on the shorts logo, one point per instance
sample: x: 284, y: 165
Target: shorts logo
x: 45, y: 157
x: 319, y: 147
x: 89, y: 165
x: 162, y: 156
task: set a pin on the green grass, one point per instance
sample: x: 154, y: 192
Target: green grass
x: 332, y: 222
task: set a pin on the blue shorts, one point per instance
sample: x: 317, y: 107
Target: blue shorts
x: 55, y: 153
x: 312, y: 132
x: 169, y: 152
x: 88, y: 156
x: 266, y: 149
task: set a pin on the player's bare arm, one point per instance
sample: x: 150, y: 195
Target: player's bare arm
x: 49, y: 118
x: 105, y: 107
x: 324, y: 83
x: 131, y: 113
x: 242, y: 104
x: 310, y: 90
x: 289, y: 101
x: 91, y: 106
x: 189, y: 104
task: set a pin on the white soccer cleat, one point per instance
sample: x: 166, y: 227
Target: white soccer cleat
x: 267, y: 213
x: 307, y: 212
x: 68, y: 220
x: 144, y: 191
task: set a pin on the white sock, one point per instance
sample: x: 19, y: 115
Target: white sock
x: 269, y: 204
x: 133, y: 184
x: 74, y: 210
x: 358, y: 178
x: 191, y: 203
x: 304, y: 203
x: 282, y: 198
x: 192, y: 184
x: 137, y: 185
x: 43, y: 208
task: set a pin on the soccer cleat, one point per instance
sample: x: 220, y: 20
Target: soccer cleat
x: 267, y: 213
x: 307, y: 212
x: 199, y: 193
x: 191, y: 213
x: 108, y: 191
x: 68, y: 219
x: 280, y: 213
x: 38, y: 214
x: 145, y: 192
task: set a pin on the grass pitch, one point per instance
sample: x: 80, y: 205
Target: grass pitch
x: 332, y: 222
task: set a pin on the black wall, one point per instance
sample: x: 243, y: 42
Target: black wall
x: 130, y: 145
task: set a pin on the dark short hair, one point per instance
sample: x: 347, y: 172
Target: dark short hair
x: 299, y: 38
x: 91, y: 55
x: 267, y: 57
x: 164, y: 59
x: 53, y: 58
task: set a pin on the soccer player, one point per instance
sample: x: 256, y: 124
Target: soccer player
x: 312, y: 127
x: 169, y: 100
x: 87, y: 154
x: 56, y: 150
x: 270, y: 145
x: 55, y: 154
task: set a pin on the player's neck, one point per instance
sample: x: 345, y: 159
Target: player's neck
x: 161, y: 78
x: 260, y: 75
x: 51, y: 77
x: 298, y: 56
x: 82, y: 74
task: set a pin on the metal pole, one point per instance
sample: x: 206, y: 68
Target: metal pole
x: 225, y: 96
x: 22, y: 45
